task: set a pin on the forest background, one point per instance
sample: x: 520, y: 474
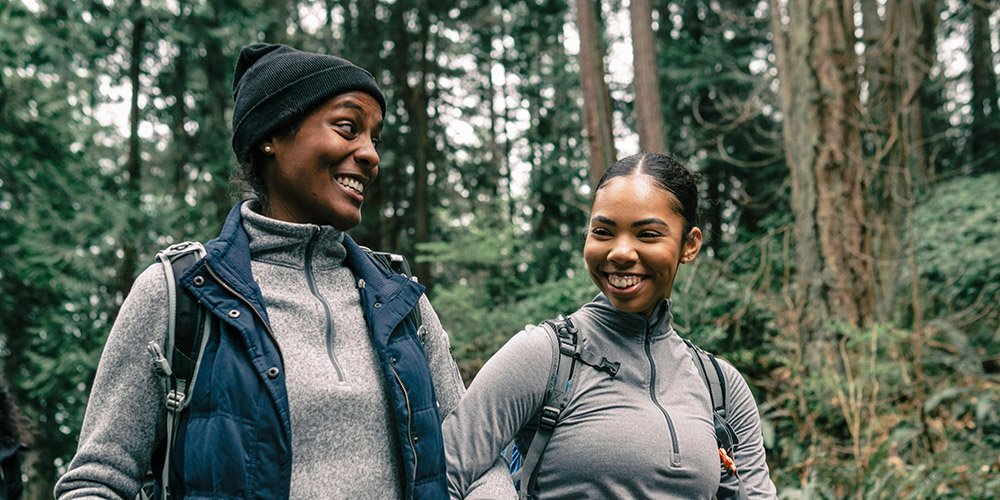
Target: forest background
x: 849, y: 171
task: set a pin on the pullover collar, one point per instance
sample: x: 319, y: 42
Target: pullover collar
x: 631, y: 325
x: 290, y: 244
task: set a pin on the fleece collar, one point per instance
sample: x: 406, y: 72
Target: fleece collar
x: 631, y: 325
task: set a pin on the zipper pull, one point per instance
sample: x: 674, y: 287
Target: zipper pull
x: 160, y: 365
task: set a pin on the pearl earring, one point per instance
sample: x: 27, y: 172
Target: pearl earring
x: 268, y: 149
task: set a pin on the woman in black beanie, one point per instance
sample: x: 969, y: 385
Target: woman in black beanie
x: 316, y: 379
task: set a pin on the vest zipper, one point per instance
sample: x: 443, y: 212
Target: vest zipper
x: 330, y: 331
x: 409, y: 420
x: 260, y: 316
x: 675, y: 456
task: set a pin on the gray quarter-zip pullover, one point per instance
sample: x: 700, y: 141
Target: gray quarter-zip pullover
x: 645, y: 433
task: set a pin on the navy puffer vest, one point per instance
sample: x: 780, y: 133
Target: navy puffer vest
x: 234, y: 439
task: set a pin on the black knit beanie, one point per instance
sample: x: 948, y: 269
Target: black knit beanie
x: 277, y: 86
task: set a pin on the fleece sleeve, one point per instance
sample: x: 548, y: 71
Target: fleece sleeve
x: 751, y: 464
x: 124, y: 410
x: 494, y: 482
x: 505, y: 395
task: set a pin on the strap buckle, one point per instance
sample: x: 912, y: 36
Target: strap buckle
x: 174, y: 400
x: 548, y: 418
x: 178, y: 248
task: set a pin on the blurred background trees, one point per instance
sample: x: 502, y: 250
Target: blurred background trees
x: 847, y: 152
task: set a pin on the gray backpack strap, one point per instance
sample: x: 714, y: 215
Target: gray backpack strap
x: 558, y: 392
x: 179, y: 358
x: 725, y: 436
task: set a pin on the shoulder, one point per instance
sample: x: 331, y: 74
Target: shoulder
x: 526, y: 359
x: 739, y: 397
x: 149, y: 289
x: 534, y: 343
x: 732, y: 375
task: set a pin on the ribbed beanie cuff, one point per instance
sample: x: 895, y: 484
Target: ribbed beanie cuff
x: 277, y: 86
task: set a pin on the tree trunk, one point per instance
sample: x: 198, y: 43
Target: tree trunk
x: 372, y: 231
x: 421, y: 130
x: 985, y: 116
x: 820, y: 105
x: 649, y: 114
x: 180, y: 143
x: 417, y: 140
x: 596, y: 98
x: 895, y: 111
x: 215, y: 129
x: 276, y: 27
x: 134, y: 165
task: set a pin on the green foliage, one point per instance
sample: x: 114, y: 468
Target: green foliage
x: 958, y: 268
x: 479, y: 325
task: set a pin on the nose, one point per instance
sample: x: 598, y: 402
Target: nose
x: 367, y: 156
x: 622, y: 252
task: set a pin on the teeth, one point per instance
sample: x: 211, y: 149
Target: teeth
x: 351, y: 184
x: 623, y: 281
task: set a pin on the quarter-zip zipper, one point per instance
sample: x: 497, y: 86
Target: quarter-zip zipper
x: 260, y: 316
x: 409, y: 420
x: 326, y: 307
x: 675, y: 459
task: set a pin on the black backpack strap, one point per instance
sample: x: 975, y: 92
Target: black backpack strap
x: 558, y: 392
x: 725, y: 436
x: 179, y: 359
x: 396, y: 263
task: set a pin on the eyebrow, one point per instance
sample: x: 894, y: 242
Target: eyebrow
x: 350, y: 104
x: 639, y: 223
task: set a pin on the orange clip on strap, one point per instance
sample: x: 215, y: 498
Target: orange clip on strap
x: 727, y: 462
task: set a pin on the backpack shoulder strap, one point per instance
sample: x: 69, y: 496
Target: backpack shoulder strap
x: 558, y: 391
x: 396, y: 263
x: 725, y: 436
x: 711, y: 373
x: 179, y: 359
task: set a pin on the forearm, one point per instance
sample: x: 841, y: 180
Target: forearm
x: 750, y: 459
x: 495, y: 483
x: 505, y: 394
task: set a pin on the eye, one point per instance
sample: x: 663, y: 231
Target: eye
x: 649, y: 234
x: 600, y: 232
x: 377, y: 141
x: 349, y: 127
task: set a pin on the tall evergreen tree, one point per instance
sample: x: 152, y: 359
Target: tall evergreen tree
x: 596, y: 97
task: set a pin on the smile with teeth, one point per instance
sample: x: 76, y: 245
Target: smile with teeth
x: 352, y: 184
x: 623, y: 280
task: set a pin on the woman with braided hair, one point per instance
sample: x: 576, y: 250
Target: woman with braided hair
x: 636, y: 417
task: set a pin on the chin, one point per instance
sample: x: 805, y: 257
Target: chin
x: 345, y: 222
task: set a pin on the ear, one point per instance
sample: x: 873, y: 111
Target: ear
x: 691, y: 246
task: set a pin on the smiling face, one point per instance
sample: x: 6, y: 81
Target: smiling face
x: 636, y: 242
x: 318, y: 173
